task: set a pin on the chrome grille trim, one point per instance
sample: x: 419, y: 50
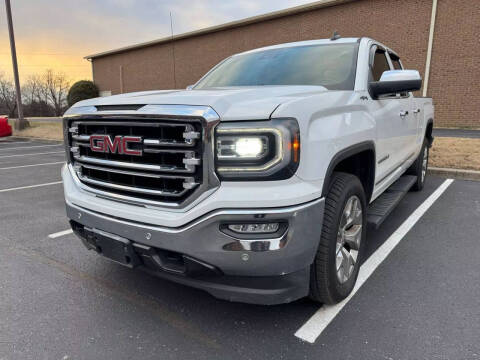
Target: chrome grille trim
x: 127, y: 165
x: 146, y: 149
x: 166, y: 151
x: 133, y: 123
x: 136, y: 173
x: 151, y: 142
x: 130, y: 188
x: 79, y: 137
x: 189, y: 135
x: 166, y: 142
x: 199, y: 158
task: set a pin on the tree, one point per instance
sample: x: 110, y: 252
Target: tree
x: 34, y: 96
x: 32, y: 90
x: 42, y: 95
x: 8, y: 101
x: 55, y: 88
x: 82, y: 90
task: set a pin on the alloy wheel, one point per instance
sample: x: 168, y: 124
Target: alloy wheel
x: 349, y: 237
x: 424, y: 163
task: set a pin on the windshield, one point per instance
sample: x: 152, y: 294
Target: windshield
x: 330, y: 65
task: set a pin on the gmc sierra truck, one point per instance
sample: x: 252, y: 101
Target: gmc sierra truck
x: 256, y: 184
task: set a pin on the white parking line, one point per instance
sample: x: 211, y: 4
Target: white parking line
x: 15, y: 142
x: 27, y: 147
x: 45, y: 153
x: 24, y: 166
x: 30, y: 186
x: 60, y: 233
x: 314, y: 326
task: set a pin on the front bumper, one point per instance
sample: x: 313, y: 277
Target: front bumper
x: 229, y: 266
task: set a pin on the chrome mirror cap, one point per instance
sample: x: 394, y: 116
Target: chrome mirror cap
x: 400, y: 75
x: 395, y: 82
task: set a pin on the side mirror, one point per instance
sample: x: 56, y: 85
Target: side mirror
x: 394, y: 82
x: 189, y: 87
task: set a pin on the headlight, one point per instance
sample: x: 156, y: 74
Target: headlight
x: 245, y: 147
x: 264, y: 150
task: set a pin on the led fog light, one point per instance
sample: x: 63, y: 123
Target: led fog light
x: 254, y: 228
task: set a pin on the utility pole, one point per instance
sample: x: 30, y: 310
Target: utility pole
x: 21, y: 123
x: 173, y: 53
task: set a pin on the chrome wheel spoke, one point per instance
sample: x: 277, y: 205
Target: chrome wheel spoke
x: 357, y: 219
x: 339, y: 247
x: 353, y: 236
x: 424, y: 163
x: 349, y: 211
x: 339, y: 261
x: 349, y: 237
x: 347, y: 264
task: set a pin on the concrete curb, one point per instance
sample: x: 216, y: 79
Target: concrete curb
x: 461, y: 174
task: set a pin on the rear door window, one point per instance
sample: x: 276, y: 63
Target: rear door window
x: 380, y: 65
x: 396, y: 62
x: 397, y: 65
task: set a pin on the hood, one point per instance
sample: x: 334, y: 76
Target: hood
x: 232, y: 103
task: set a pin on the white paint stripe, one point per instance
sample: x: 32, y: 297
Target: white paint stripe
x: 45, y: 153
x: 24, y: 166
x: 15, y: 142
x: 27, y: 147
x: 30, y: 186
x: 60, y: 233
x: 314, y: 326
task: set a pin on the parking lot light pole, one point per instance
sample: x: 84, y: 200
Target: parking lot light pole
x: 21, y: 123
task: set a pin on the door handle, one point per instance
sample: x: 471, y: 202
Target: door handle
x: 403, y: 113
x: 416, y: 111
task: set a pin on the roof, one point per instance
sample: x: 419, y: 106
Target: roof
x: 230, y: 25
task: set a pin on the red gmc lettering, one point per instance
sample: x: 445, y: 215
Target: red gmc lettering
x: 115, y: 147
x: 119, y: 145
x: 131, y: 139
x: 96, y: 143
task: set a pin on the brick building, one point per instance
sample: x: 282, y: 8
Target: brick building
x: 450, y: 28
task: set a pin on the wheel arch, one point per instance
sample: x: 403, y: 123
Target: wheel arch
x: 352, y: 160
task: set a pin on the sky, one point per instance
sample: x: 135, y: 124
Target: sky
x: 57, y: 34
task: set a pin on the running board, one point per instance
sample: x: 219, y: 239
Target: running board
x: 378, y: 210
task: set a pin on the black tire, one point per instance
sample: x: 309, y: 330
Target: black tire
x: 417, y: 167
x: 325, y: 287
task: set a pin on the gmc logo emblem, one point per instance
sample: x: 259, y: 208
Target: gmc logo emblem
x: 119, y: 145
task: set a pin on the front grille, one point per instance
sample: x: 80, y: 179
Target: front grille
x: 167, y: 166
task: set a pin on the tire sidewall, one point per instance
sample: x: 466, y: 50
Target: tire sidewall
x: 420, y: 182
x: 340, y: 291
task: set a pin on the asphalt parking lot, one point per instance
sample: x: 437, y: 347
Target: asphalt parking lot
x: 60, y: 301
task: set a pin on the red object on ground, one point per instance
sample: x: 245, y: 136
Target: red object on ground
x: 5, y: 128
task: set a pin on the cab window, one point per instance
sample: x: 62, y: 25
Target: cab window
x: 396, y: 62
x: 380, y: 65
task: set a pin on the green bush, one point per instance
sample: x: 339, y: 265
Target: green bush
x: 81, y: 90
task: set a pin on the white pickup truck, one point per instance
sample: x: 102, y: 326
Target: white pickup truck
x: 257, y: 183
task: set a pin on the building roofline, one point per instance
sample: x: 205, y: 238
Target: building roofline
x: 230, y: 25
